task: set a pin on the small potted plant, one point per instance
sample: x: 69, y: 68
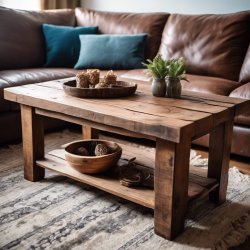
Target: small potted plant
x: 159, y: 69
x: 175, y: 73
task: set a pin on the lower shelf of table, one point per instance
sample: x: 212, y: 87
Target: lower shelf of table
x: 199, y: 185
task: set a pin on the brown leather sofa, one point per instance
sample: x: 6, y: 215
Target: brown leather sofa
x: 215, y: 45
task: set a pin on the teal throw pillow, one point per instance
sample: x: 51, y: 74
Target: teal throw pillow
x: 63, y: 45
x: 111, y: 51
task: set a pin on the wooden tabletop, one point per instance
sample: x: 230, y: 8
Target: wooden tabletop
x: 166, y: 118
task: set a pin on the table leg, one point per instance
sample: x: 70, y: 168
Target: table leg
x: 171, y: 187
x: 33, y: 143
x: 89, y: 133
x: 219, y: 157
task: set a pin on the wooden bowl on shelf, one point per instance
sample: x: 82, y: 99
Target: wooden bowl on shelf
x: 92, y: 164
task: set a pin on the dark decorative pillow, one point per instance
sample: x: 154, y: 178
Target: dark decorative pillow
x: 63, y: 44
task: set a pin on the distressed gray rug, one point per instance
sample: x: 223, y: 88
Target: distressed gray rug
x: 60, y: 213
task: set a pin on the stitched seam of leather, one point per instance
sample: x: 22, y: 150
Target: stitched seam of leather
x: 6, y: 80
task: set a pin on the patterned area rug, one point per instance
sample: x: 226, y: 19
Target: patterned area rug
x: 60, y: 213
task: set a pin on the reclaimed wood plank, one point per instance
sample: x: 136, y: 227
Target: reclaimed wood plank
x: 198, y: 185
x: 33, y: 143
x: 171, y: 187
x: 150, y: 124
x: 95, y: 125
x: 219, y: 157
x: 219, y: 111
x: 241, y: 105
x: 140, y: 195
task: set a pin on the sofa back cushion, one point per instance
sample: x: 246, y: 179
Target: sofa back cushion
x: 110, y: 55
x: 215, y: 45
x: 245, y: 70
x: 22, y: 43
x: 126, y: 24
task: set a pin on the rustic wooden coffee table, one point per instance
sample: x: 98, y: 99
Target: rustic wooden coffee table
x: 173, y: 123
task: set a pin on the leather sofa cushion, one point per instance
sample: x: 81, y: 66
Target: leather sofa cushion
x: 125, y: 24
x: 136, y: 74
x: 240, y: 141
x: 244, y: 93
x: 20, y: 77
x: 10, y: 123
x: 210, y: 85
x: 245, y: 70
x: 12, y: 78
x: 22, y: 43
x: 205, y: 84
x: 215, y: 45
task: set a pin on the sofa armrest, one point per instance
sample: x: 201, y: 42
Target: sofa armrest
x: 244, y: 93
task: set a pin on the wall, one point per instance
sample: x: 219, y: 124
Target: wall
x: 171, y: 6
x: 21, y: 4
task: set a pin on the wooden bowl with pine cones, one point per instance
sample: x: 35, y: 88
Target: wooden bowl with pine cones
x: 92, y: 156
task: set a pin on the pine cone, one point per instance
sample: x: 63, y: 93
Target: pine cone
x: 82, y: 151
x: 101, y: 84
x: 101, y: 149
x: 82, y: 80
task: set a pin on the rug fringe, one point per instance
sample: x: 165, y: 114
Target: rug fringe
x: 239, y: 233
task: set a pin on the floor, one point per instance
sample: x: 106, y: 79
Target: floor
x: 243, y: 163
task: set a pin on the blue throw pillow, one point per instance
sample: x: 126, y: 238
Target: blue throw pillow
x: 111, y: 51
x: 63, y: 45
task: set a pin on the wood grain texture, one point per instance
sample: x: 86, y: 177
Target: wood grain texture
x: 89, y: 133
x: 198, y: 187
x: 186, y: 117
x: 141, y: 195
x: 94, y: 125
x: 33, y: 143
x: 171, y: 187
x: 219, y: 157
x: 219, y: 111
x: 150, y: 124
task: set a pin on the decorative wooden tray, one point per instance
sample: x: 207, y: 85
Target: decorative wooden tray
x: 122, y: 89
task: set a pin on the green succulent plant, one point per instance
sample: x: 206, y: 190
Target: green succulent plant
x: 160, y: 68
x: 177, y: 68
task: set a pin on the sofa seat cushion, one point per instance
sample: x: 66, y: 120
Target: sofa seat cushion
x: 12, y: 78
x: 204, y: 84
x: 29, y: 76
x: 245, y: 70
x: 136, y: 74
x: 4, y: 104
x: 244, y: 93
x: 210, y: 85
x: 215, y: 45
x: 22, y: 43
x: 240, y: 141
x: 126, y: 24
x: 10, y: 123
